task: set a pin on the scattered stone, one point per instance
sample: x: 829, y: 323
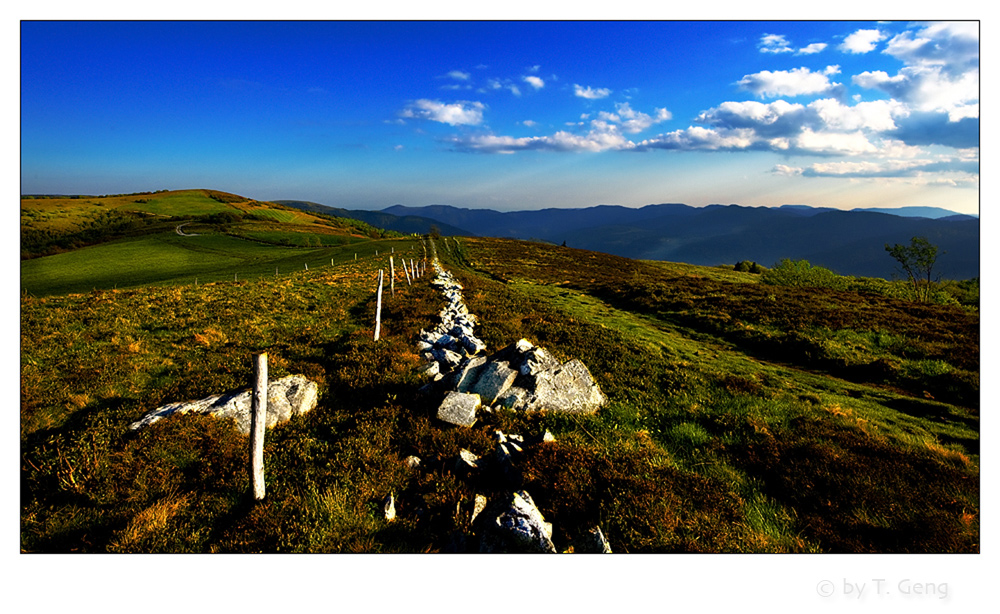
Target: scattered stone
x: 591, y: 542
x: 515, y: 526
x: 466, y: 463
x: 389, y: 508
x: 459, y: 408
x: 478, y: 507
x: 286, y: 397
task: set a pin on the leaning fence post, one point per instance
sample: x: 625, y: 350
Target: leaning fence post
x: 378, y: 306
x: 258, y: 424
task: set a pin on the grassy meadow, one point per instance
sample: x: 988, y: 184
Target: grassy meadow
x: 743, y: 417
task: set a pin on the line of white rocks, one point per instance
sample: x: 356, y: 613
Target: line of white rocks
x: 520, y: 377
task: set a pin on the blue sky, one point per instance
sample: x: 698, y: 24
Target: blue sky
x: 507, y: 115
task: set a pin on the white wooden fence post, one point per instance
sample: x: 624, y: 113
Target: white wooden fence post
x: 258, y: 425
x: 392, y: 277
x: 378, y: 307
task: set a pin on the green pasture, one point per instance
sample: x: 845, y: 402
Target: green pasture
x: 192, y: 202
x: 168, y: 258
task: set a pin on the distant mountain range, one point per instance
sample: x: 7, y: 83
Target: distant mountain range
x: 407, y: 224
x: 848, y: 242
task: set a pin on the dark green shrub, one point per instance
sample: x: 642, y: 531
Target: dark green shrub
x: 800, y: 273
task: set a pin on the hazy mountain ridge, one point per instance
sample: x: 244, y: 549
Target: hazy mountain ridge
x: 406, y: 223
x: 849, y: 242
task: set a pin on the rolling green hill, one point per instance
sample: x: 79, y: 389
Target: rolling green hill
x: 742, y: 417
x: 81, y: 244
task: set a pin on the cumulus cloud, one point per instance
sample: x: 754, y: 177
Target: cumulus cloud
x: 768, y: 120
x: 459, y: 75
x: 940, y: 76
x: 795, y: 82
x: 591, y: 93
x: 632, y: 121
x: 774, y: 43
x: 953, y: 45
x: 811, y: 49
x: 787, y: 171
x: 534, y: 82
x: 601, y: 137
x: 705, y: 139
x: 862, y: 41
x: 501, y: 84
x: 936, y: 128
x: 889, y: 168
x: 606, y: 132
x: 824, y: 127
x: 462, y: 113
x: 778, y: 43
x: 876, y: 116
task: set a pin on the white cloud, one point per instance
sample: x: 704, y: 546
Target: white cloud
x: 459, y: 75
x: 602, y: 137
x: 833, y: 143
x: 941, y: 71
x: 948, y: 170
x: 775, y: 119
x: 462, y: 113
x: 591, y: 93
x: 954, y: 44
x: 788, y: 171
x: 632, y: 121
x: 501, y: 84
x: 529, y: 123
x: 928, y: 89
x: 534, y: 82
x: 795, y: 82
x: 605, y: 134
x: 774, y: 43
x: 698, y: 138
x: 811, y: 49
x: 861, y: 41
x: 875, y: 116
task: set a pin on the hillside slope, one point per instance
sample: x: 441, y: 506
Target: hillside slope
x: 741, y: 417
x: 85, y: 243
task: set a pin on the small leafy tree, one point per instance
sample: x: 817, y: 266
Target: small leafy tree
x: 917, y: 260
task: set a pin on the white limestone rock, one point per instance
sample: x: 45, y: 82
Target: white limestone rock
x: 459, y: 408
x: 286, y: 397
